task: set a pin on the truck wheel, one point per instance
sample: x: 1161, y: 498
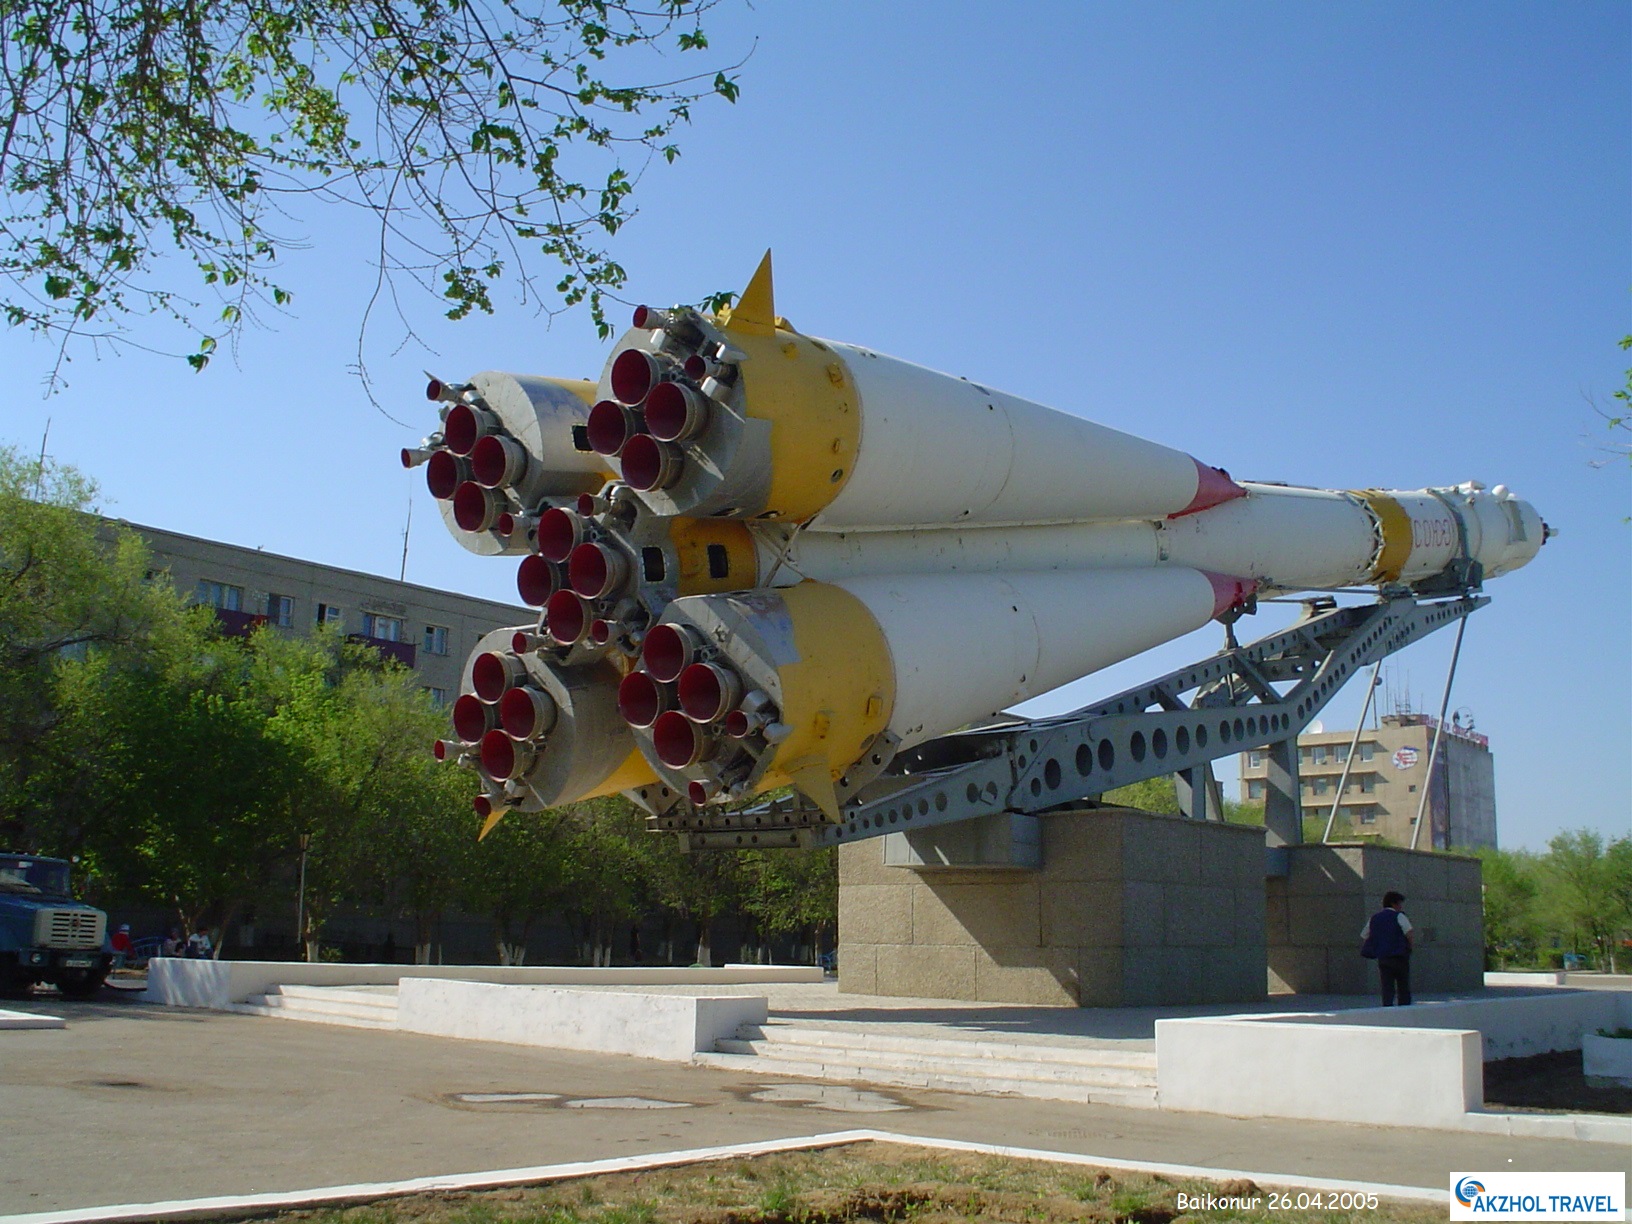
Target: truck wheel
x: 82, y: 983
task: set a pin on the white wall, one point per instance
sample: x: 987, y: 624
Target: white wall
x: 216, y: 984
x: 671, y: 1027
x: 1293, y: 1069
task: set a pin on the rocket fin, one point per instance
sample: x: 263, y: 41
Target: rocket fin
x: 755, y: 311
x: 815, y: 779
x: 493, y: 818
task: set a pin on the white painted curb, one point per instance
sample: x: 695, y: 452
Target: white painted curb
x: 30, y: 1020
x: 178, y: 1209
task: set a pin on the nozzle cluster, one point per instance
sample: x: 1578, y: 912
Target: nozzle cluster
x: 703, y: 718
x: 664, y: 391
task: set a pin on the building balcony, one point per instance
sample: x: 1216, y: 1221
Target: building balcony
x: 238, y: 624
x: 399, y: 652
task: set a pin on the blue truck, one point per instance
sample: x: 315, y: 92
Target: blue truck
x: 46, y: 935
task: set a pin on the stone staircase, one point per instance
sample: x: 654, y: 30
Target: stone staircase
x: 354, y: 1006
x: 1108, y: 1073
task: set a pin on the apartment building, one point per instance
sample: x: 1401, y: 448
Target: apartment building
x: 1387, y: 779
x: 428, y: 630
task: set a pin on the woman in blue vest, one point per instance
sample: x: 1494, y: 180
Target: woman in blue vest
x: 1387, y: 938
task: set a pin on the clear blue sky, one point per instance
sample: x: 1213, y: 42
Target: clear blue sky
x: 1369, y: 244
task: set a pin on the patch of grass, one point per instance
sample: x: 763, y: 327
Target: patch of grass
x: 859, y: 1184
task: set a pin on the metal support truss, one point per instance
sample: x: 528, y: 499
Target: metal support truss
x: 1244, y: 697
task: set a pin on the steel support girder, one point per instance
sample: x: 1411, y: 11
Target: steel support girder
x: 1031, y: 766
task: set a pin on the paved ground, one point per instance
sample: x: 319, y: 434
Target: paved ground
x: 132, y: 1103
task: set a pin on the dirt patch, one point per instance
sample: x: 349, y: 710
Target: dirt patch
x: 870, y: 1183
x: 1550, y: 1082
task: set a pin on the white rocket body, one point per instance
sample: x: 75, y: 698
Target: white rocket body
x: 1286, y: 539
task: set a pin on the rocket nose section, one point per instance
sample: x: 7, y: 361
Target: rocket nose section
x: 1505, y: 532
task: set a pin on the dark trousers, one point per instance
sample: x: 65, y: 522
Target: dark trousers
x: 1396, y: 974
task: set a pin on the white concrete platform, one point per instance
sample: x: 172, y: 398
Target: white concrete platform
x: 670, y: 1027
x: 30, y: 1020
x: 216, y: 984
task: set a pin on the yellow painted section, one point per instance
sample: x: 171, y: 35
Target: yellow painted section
x: 691, y: 540
x: 493, y: 818
x: 807, y: 394
x: 585, y: 391
x: 1396, y: 529
x: 635, y: 771
x: 836, y: 698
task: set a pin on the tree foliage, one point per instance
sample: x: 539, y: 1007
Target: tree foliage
x: 141, y: 139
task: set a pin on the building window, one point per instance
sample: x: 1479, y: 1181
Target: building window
x: 1368, y: 816
x: 1367, y: 783
x: 1320, y: 754
x: 1340, y: 753
x: 436, y: 639
x: 328, y: 614
x: 1255, y: 759
x: 1368, y: 750
x: 438, y: 695
x: 1303, y: 754
x: 1255, y: 788
x: 280, y: 610
x: 219, y: 595
x: 1322, y: 785
x: 384, y: 628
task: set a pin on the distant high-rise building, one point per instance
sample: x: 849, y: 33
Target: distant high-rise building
x: 1387, y: 778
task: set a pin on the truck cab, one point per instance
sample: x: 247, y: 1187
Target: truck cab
x: 46, y: 935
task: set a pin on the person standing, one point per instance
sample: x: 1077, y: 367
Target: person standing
x: 1386, y: 937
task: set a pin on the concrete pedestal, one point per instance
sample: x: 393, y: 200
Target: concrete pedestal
x: 1316, y: 912
x: 1127, y: 909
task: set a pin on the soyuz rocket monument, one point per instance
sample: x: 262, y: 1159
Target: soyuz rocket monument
x: 766, y: 560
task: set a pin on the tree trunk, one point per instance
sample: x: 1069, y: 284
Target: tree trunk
x: 705, y: 954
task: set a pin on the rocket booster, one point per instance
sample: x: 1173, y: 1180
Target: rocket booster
x: 763, y: 559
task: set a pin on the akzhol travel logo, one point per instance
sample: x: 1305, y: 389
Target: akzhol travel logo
x: 1538, y: 1196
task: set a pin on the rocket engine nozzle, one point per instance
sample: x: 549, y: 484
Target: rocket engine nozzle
x: 497, y: 462
x: 444, y: 473
x: 493, y: 674
x: 708, y: 692
x: 597, y: 570
x: 567, y: 617
x: 475, y: 508
x: 668, y: 651
x: 649, y: 464
x: 504, y: 758
x: 559, y: 532
x: 611, y: 426
x: 679, y: 742
x: 538, y: 579
x: 526, y: 713
x: 634, y: 374
x: 472, y: 718
x: 641, y: 699
x: 675, y: 412
x: 466, y: 425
